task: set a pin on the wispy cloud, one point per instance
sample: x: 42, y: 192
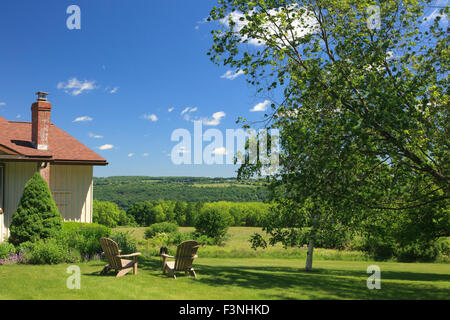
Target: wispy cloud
x: 215, y: 119
x: 83, y: 119
x: 130, y: 155
x: 76, y: 87
x: 106, y: 147
x: 152, y: 117
x: 95, y: 136
x: 145, y: 155
x: 188, y: 109
x: 197, y: 26
x: 2, y: 104
x: 181, y: 150
x: 170, y: 109
x: 219, y: 151
x: 262, y: 106
x: 114, y: 90
x: 231, y: 75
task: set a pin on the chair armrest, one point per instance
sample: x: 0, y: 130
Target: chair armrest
x: 167, y: 256
x: 129, y: 255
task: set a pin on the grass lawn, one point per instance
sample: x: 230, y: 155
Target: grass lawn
x: 235, y: 271
x: 232, y: 279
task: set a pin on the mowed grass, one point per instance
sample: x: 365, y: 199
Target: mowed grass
x: 231, y: 279
x: 227, y: 273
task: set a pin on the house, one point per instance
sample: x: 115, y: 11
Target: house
x: 64, y: 162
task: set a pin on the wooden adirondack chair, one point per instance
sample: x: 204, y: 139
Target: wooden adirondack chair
x: 112, y: 254
x: 186, y: 253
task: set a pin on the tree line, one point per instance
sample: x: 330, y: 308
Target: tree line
x: 127, y: 190
x: 146, y: 213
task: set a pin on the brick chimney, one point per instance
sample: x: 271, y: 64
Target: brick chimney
x: 40, y: 121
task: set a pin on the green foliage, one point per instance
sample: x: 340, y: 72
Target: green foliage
x: 37, y: 216
x: 213, y: 222
x: 126, y: 243
x: 407, y: 235
x: 84, y: 237
x: 48, y: 251
x: 163, y: 227
x: 127, y: 190
x: 5, y: 249
x: 184, y: 214
x: 364, y: 119
x: 110, y: 215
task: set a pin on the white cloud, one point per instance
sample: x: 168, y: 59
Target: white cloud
x: 76, y: 87
x: 145, y: 155
x: 231, y: 75
x: 152, y: 117
x: 83, y: 119
x: 437, y: 13
x: 19, y: 116
x: 262, y: 106
x: 106, y: 147
x: 130, y: 155
x: 2, y: 104
x: 95, y: 136
x: 186, y: 110
x: 300, y: 28
x: 170, y: 109
x: 114, y: 90
x: 215, y: 120
x: 219, y: 151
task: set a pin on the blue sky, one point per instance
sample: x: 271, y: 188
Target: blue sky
x: 121, y: 83
x: 131, y: 62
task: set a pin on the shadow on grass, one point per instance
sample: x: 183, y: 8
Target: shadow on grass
x: 324, y: 283
x: 279, y: 282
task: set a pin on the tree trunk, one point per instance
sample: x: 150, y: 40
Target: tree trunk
x: 309, y: 255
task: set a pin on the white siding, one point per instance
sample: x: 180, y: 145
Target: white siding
x: 17, y: 175
x: 72, y: 188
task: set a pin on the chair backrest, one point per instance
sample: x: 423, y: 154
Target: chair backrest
x: 111, y: 250
x: 185, y: 255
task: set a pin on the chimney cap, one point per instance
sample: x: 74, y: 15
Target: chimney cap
x: 42, y: 96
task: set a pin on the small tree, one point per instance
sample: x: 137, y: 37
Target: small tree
x: 110, y: 214
x: 213, y: 222
x: 37, y: 216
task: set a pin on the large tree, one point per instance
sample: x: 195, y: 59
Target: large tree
x: 364, y: 108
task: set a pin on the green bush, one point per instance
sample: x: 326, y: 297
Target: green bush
x: 48, y: 251
x: 163, y: 227
x: 213, y: 222
x: 84, y: 237
x: 5, y: 249
x: 109, y: 214
x: 423, y: 252
x: 126, y: 243
x: 37, y: 216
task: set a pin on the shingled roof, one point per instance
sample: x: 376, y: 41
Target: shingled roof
x: 16, y: 141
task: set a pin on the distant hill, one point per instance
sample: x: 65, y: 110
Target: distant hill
x: 125, y: 190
